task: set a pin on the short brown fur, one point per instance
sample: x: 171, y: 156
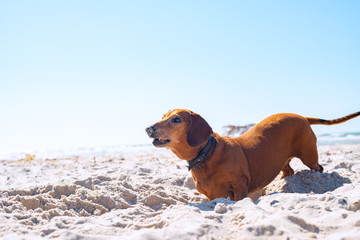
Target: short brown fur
x: 243, y: 165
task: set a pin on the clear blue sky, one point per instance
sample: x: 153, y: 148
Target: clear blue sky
x: 95, y: 73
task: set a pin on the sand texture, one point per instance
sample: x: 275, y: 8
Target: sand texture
x: 152, y: 196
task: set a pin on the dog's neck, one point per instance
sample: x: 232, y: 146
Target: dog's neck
x: 204, y: 154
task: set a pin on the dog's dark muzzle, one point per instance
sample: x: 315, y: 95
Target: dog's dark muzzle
x: 150, y: 131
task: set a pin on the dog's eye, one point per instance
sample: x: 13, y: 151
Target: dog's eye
x: 176, y: 120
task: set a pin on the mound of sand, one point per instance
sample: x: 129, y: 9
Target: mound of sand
x: 152, y: 196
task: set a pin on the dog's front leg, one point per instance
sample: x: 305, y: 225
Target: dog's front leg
x: 240, y: 189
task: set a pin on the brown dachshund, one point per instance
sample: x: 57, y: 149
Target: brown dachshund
x: 235, y: 167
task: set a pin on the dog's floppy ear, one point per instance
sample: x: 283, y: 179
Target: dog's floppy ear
x: 198, y: 130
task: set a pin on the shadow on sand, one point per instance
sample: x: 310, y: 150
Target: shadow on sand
x: 308, y: 181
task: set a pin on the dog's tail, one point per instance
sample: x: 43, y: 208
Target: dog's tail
x: 332, y: 122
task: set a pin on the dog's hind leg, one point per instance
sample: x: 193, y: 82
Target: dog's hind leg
x: 307, y: 150
x: 310, y: 158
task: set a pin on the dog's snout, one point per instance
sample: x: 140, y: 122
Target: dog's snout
x: 150, y: 131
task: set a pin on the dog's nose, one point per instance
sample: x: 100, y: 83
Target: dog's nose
x: 150, y: 131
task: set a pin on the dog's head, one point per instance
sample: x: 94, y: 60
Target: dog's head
x: 180, y: 130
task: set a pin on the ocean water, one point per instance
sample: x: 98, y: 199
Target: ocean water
x: 324, y: 139
x: 338, y: 138
x: 80, y: 152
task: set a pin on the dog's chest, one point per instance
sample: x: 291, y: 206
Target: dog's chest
x: 211, y: 187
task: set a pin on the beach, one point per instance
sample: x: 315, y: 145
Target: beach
x: 150, y: 194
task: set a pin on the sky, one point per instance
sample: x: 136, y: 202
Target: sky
x: 96, y: 73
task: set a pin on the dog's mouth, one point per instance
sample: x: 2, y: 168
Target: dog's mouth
x: 161, y: 142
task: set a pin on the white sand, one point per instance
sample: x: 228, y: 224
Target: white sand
x: 152, y: 196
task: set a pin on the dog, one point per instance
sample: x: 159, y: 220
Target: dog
x: 236, y: 167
